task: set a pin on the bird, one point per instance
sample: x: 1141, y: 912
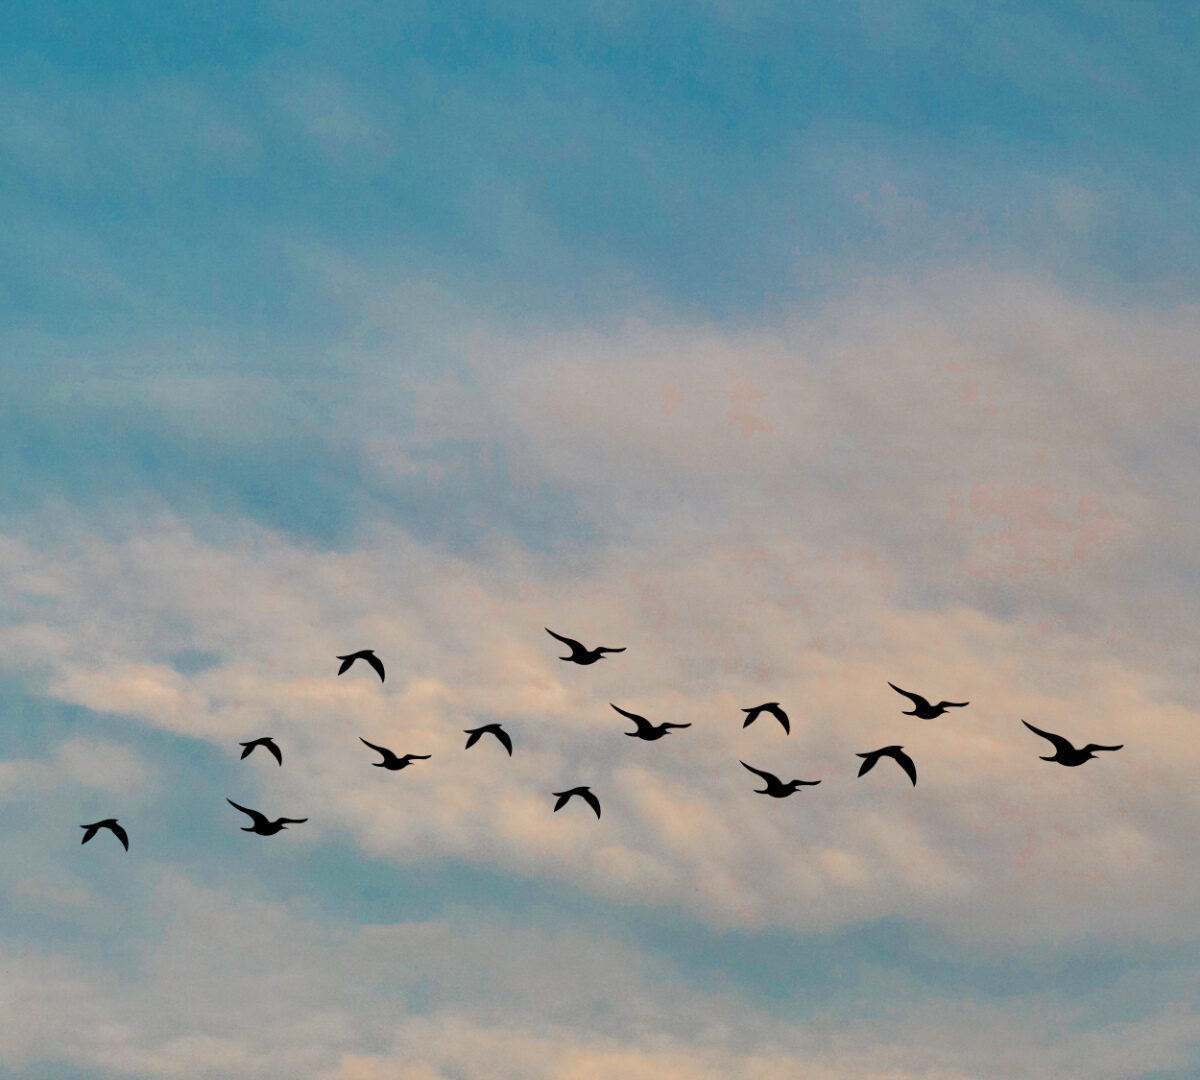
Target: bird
x: 896, y: 753
x: 107, y: 823
x: 923, y: 709
x: 776, y: 787
x: 488, y: 729
x: 265, y: 741
x: 579, y: 654
x: 393, y: 761
x: 1064, y: 752
x: 584, y: 792
x: 261, y: 825
x: 771, y: 707
x: 645, y: 729
x: 363, y: 654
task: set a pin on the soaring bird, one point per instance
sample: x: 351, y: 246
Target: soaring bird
x: 261, y: 825
x: 108, y: 823
x: 645, y: 729
x: 393, y: 761
x: 584, y: 792
x: 488, y: 729
x: 579, y: 654
x: 363, y: 654
x: 1064, y: 752
x: 923, y: 709
x: 896, y: 753
x: 771, y: 707
x: 775, y: 786
x: 266, y: 741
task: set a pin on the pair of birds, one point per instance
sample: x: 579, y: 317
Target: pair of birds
x: 779, y: 790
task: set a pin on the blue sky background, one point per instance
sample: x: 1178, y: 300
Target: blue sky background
x: 799, y: 348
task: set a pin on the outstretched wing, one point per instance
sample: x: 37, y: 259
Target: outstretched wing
x: 666, y: 724
x: 472, y: 736
x: 869, y: 761
x: 590, y: 798
x: 563, y: 796
x: 917, y: 700
x: 120, y: 834
x: 1059, y: 742
x: 502, y: 735
x: 643, y: 725
x: 375, y: 662
x: 605, y: 648
x: 346, y: 662
x: 952, y: 704
x: 292, y: 820
x: 258, y: 819
x: 770, y: 778
x: 751, y: 715
x: 1093, y: 746
x: 574, y: 645
x: 906, y: 763
x: 91, y: 831
x: 270, y: 745
x: 782, y: 717
x: 249, y: 749
x: 387, y: 754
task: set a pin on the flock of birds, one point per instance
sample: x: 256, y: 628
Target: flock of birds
x: 1065, y: 753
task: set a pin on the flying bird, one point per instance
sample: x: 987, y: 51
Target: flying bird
x: 488, y: 729
x: 771, y: 707
x: 261, y: 825
x: 776, y: 787
x: 1064, y: 752
x: 393, y: 761
x: 107, y: 823
x: 363, y: 654
x: 584, y: 792
x: 579, y: 654
x: 896, y: 753
x: 645, y: 729
x: 923, y: 709
x: 266, y: 741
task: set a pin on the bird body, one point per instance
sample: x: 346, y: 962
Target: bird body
x: 1065, y: 753
x: 363, y: 654
x: 580, y: 654
x: 393, y: 761
x: 771, y: 707
x: 262, y: 825
x: 776, y: 787
x: 896, y: 753
x: 488, y: 729
x: 111, y: 825
x: 265, y: 741
x: 584, y: 792
x: 923, y: 709
x: 645, y: 729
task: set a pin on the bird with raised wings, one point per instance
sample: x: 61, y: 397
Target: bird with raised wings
x: 363, y: 654
x: 262, y: 825
x: 580, y: 654
x: 896, y: 753
x: 1066, y: 753
x: 923, y: 709
x: 111, y: 825
x: 266, y: 742
x: 771, y: 707
x: 393, y: 761
x: 488, y: 729
x: 584, y: 792
x: 776, y: 787
x: 645, y: 729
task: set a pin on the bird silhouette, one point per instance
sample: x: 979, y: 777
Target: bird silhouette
x: 923, y: 709
x: 266, y: 741
x: 112, y: 826
x: 579, y: 654
x: 393, y: 761
x: 1064, y: 752
x: 584, y: 792
x: 488, y: 729
x: 771, y: 707
x: 776, y: 787
x: 261, y: 825
x: 645, y: 729
x: 896, y: 753
x: 363, y: 654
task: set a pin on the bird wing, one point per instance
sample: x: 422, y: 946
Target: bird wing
x: 346, y: 662
x: 807, y: 783
x: 120, y: 834
x: 952, y: 704
x: 1059, y: 742
x: 869, y: 761
x: 906, y: 763
x: 643, y: 724
x: 375, y: 662
x: 270, y: 745
x: 291, y: 821
x: 751, y: 715
x: 1094, y: 746
x: 768, y: 777
x: 502, y: 735
x: 249, y: 748
x: 472, y: 736
x: 666, y: 724
x: 590, y: 798
x: 782, y: 717
x: 91, y: 831
x: 917, y: 700
x: 605, y: 648
x: 575, y: 645
x: 259, y: 819
x: 387, y: 754
x: 563, y: 796
x: 418, y: 757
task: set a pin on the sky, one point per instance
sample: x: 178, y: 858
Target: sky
x: 795, y: 348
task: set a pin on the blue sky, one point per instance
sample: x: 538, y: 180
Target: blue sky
x: 798, y: 348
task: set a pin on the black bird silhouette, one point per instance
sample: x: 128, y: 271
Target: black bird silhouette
x: 771, y: 707
x: 110, y: 824
x: 488, y: 729
x: 261, y: 825
x: 393, y: 761
x: 363, y: 654
x: 775, y: 786
x: 584, y: 792
x: 895, y: 752
x: 579, y: 654
x: 266, y: 741
x: 923, y: 709
x: 645, y: 729
x: 1064, y: 752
